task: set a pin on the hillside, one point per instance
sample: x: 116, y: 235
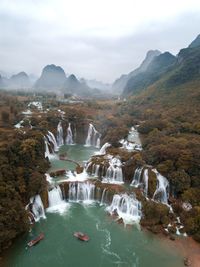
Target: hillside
x: 119, y: 85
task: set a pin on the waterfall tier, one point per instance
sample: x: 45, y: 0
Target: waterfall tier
x: 114, y: 173
x: 56, y: 202
x: 103, y: 149
x: 51, y: 138
x: 47, y: 151
x: 93, y: 137
x: 162, y: 190
x: 141, y: 179
x: 60, y: 140
x: 69, y: 138
x: 37, y: 208
x: 81, y: 192
x: 127, y: 207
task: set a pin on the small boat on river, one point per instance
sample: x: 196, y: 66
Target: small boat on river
x: 35, y: 240
x: 81, y: 236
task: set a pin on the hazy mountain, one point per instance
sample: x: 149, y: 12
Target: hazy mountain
x: 19, y: 81
x: 195, y: 43
x: 167, y: 72
x: 119, y: 85
x: 52, y: 77
x: 73, y: 86
x: 159, y: 65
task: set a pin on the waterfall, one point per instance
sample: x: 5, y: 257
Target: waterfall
x: 127, y: 207
x: 146, y: 180
x: 103, y: 197
x: 132, y: 142
x: 69, y: 138
x: 161, y: 193
x: 47, y: 152
x: 98, y: 142
x: 52, y: 140
x: 137, y: 177
x: 81, y: 192
x: 93, y: 137
x: 60, y: 141
x: 95, y: 170
x: 103, y: 149
x: 56, y: 202
x: 37, y: 208
x: 114, y: 173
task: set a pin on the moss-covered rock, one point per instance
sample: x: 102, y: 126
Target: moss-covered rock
x: 152, y: 182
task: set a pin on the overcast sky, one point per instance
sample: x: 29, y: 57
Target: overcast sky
x: 99, y: 39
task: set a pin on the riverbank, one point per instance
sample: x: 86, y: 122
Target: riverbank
x: 188, y: 248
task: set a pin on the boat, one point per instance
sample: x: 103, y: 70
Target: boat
x: 35, y: 240
x: 81, y: 236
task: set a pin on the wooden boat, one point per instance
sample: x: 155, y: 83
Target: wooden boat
x: 81, y: 236
x: 35, y: 240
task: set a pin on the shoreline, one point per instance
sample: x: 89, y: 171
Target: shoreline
x: 188, y: 248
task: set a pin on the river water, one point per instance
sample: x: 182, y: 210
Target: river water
x: 110, y: 244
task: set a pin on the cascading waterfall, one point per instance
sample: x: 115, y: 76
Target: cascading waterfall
x: 52, y: 140
x: 56, y: 202
x: 37, y: 208
x: 98, y: 142
x: 60, y: 141
x: 137, y: 177
x: 103, y: 197
x: 81, y: 192
x: 93, y: 137
x: 127, y: 207
x: 103, y: 149
x: 133, y: 141
x: 95, y: 169
x: 69, y: 138
x: 47, y: 152
x: 114, y: 172
x: 161, y: 194
x: 146, y: 180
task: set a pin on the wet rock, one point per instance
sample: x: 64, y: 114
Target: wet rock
x: 172, y: 237
x: 79, y: 169
x: 187, y: 262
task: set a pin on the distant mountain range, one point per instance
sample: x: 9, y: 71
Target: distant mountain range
x: 119, y: 85
x: 157, y: 66
x: 166, y: 68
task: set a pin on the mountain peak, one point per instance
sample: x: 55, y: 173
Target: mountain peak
x: 52, y: 77
x: 151, y: 54
x: 196, y: 42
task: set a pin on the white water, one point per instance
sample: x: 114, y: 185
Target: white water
x: 52, y: 140
x: 161, y: 193
x: 93, y: 137
x: 146, y: 180
x: 60, y: 141
x: 137, y: 177
x: 37, y: 208
x: 133, y: 141
x: 98, y: 142
x: 114, y: 173
x: 56, y: 202
x: 103, y: 149
x: 81, y: 192
x: 47, y: 152
x: 76, y: 177
x: 127, y: 207
x: 103, y: 197
x: 69, y: 138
